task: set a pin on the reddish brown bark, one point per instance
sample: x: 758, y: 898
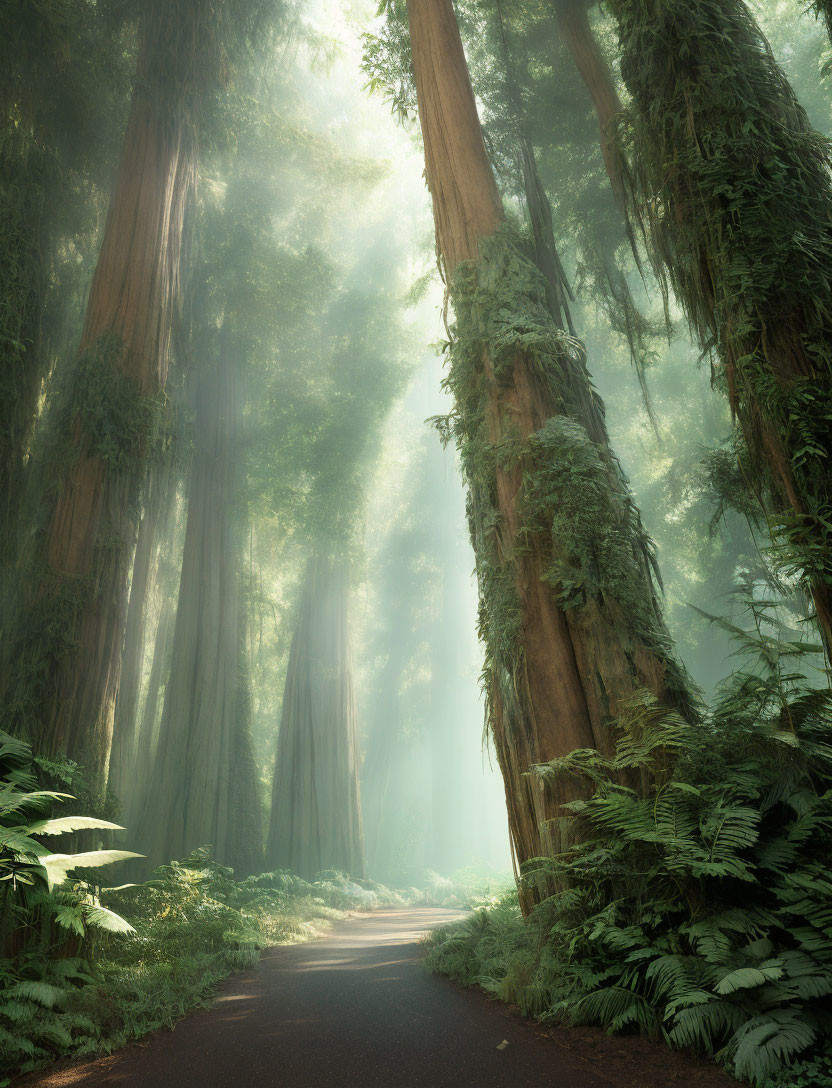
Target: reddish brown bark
x: 577, y: 665
x: 94, y: 517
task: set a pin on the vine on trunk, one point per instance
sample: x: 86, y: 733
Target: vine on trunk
x: 731, y: 188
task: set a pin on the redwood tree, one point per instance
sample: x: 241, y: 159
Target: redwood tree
x: 159, y: 493
x: 316, y: 807
x: 733, y: 190
x: 569, y: 616
x: 202, y: 790
x: 64, y: 665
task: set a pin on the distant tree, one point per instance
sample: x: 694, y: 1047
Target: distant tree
x: 316, y: 807
x: 202, y: 790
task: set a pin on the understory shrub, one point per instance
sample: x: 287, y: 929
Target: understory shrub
x: 80, y: 979
x: 699, y: 910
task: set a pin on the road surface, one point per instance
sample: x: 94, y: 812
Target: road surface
x: 357, y: 1009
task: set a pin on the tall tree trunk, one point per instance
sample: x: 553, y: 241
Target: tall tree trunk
x: 569, y: 617
x: 316, y: 806
x: 733, y: 189
x: 203, y: 790
x: 122, y: 770
x: 25, y: 196
x: 148, y: 732
x: 573, y: 23
x: 64, y: 667
x: 377, y: 771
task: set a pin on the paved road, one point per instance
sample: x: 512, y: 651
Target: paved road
x: 356, y: 1009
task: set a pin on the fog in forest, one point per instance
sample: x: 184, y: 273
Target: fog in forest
x: 415, y: 498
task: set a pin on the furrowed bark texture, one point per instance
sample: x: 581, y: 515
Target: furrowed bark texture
x: 74, y: 627
x: 733, y: 190
x: 568, y: 637
x: 316, y: 805
x: 203, y: 788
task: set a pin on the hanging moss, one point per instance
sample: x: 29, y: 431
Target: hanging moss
x: 574, y: 504
x: 731, y: 188
x: 100, y: 414
x: 823, y: 10
x: 596, y: 538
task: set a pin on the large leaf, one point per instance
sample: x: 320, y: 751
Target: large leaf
x: 42, y: 992
x: 108, y: 920
x: 745, y: 978
x: 63, y: 824
x: 58, y: 865
x: 14, y: 800
x: 18, y: 842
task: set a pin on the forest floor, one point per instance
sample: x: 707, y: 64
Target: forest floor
x: 357, y: 1009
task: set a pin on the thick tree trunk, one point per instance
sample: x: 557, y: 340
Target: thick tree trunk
x: 734, y: 191
x: 24, y: 261
x: 377, y: 772
x: 64, y: 666
x: 203, y: 790
x: 316, y: 807
x: 568, y: 614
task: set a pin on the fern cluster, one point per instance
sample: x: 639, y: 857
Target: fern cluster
x: 701, y: 910
x: 190, y: 926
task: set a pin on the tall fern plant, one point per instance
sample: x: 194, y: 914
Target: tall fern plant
x: 701, y: 910
x: 48, y: 916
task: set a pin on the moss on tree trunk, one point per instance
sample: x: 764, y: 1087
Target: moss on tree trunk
x: 732, y: 188
x: 64, y: 664
x: 568, y: 614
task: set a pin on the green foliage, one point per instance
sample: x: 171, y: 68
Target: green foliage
x: 191, y: 924
x: 731, y: 189
x: 26, y: 865
x: 46, y: 917
x: 116, y: 421
x: 575, y: 503
x: 591, y: 524
x: 823, y: 10
x: 698, y: 911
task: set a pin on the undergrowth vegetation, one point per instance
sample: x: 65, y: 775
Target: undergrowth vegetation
x: 80, y: 978
x: 189, y: 926
x: 700, y: 911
